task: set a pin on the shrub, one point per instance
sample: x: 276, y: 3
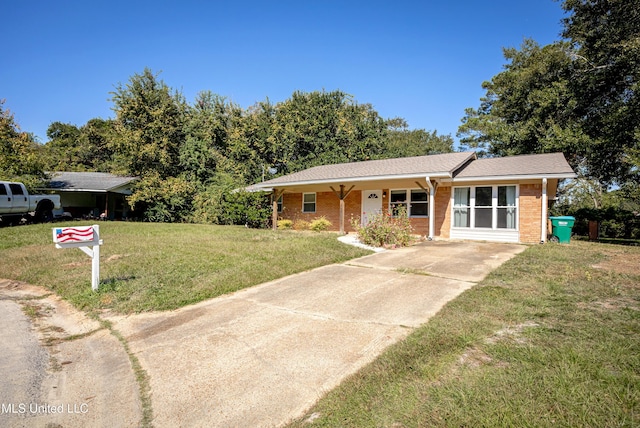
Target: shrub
x: 301, y: 225
x: 285, y: 224
x: 384, y: 229
x: 251, y: 209
x: 320, y: 224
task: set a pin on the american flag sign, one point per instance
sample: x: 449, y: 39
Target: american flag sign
x: 66, y: 235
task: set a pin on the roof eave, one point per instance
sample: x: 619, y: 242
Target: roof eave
x: 359, y: 179
x: 512, y: 177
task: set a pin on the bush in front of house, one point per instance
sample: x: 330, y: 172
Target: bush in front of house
x: 320, y: 224
x: 384, y: 229
x: 285, y: 224
x: 300, y: 224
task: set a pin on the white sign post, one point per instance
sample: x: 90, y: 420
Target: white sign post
x: 82, y: 237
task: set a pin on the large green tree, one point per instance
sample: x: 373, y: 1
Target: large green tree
x: 318, y: 128
x: 605, y: 41
x: 20, y: 157
x: 149, y: 125
x: 87, y: 148
x: 529, y: 107
x: 402, y: 141
x: 578, y: 96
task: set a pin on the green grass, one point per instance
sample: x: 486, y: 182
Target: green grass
x: 551, y: 338
x: 147, y: 266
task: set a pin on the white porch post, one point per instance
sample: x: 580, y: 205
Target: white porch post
x: 431, y: 208
x: 543, y: 226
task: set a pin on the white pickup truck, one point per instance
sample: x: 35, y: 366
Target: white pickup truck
x: 17, y: 204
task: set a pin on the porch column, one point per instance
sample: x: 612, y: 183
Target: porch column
x: 274, y: 213
x: 543, y: 220
x: 342, y: 195
x: 432, y: 193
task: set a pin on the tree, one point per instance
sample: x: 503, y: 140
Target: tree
x: 149, y: 125
x: 316, y: 128
x: 207, y: 127
x: 605, y: 42
x: 528, y: 108
x: 578, y: 96
x: 403, y: 142
x: 20, y: 158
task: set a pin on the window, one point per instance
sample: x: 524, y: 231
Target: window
x: 483, y: 208
x: 280, y: 203
x: 16, y: 189
x: 506, y: 207
x: 417, y: 205
x: 398, y: 199
x: 461, y: 207
x: 489, y: 207
x: 308, y: 202
x: 3, y: 190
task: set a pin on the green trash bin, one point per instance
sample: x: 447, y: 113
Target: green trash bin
x: 561, y: 228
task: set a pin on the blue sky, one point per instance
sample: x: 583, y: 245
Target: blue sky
x: 423, y: 61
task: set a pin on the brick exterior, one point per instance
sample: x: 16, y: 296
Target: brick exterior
x: 328, y: 205
x: 530, y: 212
x: 442, y: 220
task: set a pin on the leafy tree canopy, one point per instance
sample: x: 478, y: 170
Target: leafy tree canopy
x: 19, y: 155
x: 578, y: 96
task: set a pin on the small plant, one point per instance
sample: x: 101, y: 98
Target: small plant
x: 285, y: 224
x: 301, y: 225
x: 384, y: 229
x: 320, y: 224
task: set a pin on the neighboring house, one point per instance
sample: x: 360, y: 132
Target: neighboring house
x: 448, y: 196
x: 92, y: 194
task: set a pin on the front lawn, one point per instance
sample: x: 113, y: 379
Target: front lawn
x: 147, y: 266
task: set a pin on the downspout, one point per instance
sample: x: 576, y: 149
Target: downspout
x: 543, y: 226
x: 431, y: 208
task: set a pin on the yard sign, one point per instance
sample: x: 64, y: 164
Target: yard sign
x: 82, y: 237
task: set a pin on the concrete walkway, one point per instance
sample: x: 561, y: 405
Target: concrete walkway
x: 262, y: 356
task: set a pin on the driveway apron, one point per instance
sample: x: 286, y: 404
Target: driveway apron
x: 262, y: 356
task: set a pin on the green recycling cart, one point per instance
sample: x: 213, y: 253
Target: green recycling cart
x: 561, y: 228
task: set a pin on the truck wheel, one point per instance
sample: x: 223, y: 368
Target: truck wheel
x: 44, y: 211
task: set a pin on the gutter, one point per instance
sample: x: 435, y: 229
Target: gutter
x: 510, y: 177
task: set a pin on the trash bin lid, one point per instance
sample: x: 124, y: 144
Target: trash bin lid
x: 563, y: 217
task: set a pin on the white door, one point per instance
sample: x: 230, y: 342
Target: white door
x: 371, y: 204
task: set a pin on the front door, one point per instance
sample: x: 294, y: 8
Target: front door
x: 371, y: 204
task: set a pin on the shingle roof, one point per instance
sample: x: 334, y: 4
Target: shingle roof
x: 443, y: 165
x: 539, y: 164
x: 87, y: 181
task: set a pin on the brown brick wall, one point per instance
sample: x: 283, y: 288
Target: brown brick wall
x: 442, y: 211
x: 327, y: 205
x: 530, y: 212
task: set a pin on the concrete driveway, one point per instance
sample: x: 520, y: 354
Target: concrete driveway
x: 262, y: 356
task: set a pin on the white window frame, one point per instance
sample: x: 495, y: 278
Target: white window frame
x: 471, y: 207
x: 315, y: 202
x: 280, y: 203
x: 408, y: 202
